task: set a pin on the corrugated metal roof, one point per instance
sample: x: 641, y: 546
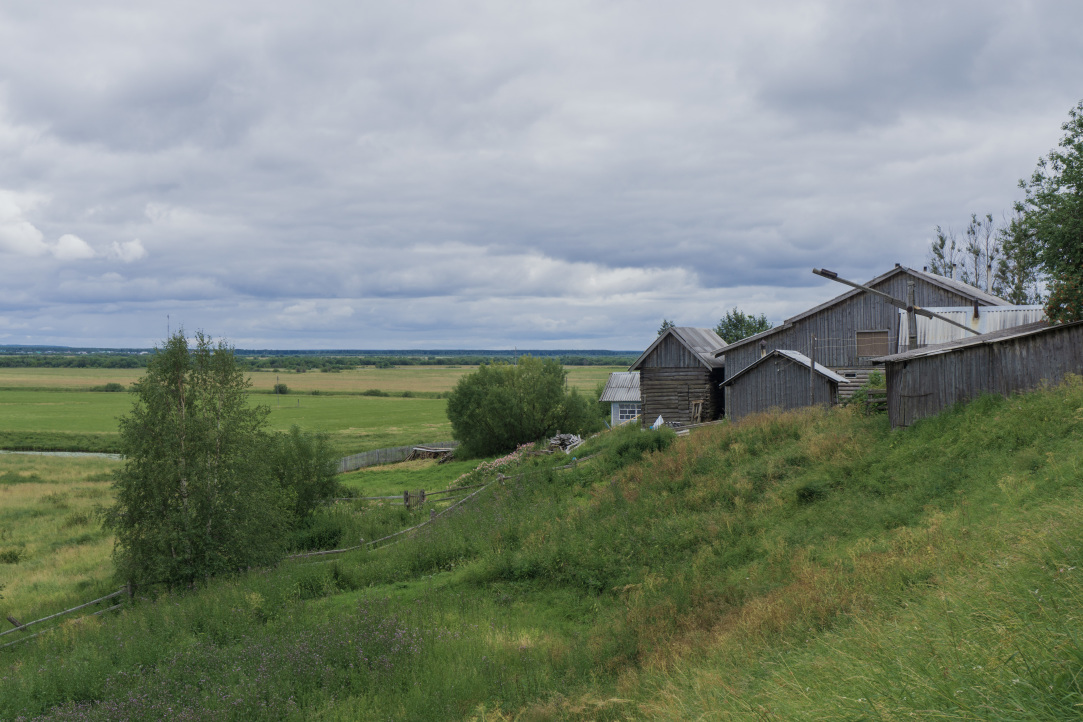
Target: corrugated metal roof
x: 948, y: 283
x: 621, y: 386
x: 794, y: 356
x: 995, y: 337
x: 703, y: 342
x: 933, y: 331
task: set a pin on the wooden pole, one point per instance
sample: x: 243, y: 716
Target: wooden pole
x: 911, y: 317
x: 812, y: 370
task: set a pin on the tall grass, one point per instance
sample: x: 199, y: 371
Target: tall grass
x: 809, y: 565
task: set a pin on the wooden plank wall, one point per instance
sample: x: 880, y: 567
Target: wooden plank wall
x: 669, y: 392
x: 922, y: 387
x: 835, y: 327
x: 671, y: 353
x: 780, y: 384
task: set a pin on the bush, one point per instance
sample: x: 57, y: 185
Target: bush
x: 281, y: 389
x: 111, y: 387
x: 502, y: 405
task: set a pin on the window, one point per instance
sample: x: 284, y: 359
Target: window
x: 627, y: 412
x: 872, y: 343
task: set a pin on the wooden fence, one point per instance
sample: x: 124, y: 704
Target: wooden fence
x: 390, y: 455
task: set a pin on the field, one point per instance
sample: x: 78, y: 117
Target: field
x: 812, y: 565
x: 55, y: 550
x: 55, y: 408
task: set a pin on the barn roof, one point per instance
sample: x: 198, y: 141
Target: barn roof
x: 621, y: 386
x: 703, y: 342
x: 949, y: 284
x: 796, y: 357
x: 1006, y: 334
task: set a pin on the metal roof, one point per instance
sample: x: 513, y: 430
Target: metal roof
x: 947, y: 283
x: 621, y: 386
x: 796, y: 357
x: 1006, y: 334
x: 703, y: 342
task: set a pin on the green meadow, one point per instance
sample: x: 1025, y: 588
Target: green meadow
x: 812, y: 565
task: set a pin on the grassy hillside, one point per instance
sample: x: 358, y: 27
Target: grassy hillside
x: 812, y: 565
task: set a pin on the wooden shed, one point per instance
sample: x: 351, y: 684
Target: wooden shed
x: 855, y: 327
x: 622, y: 394
x: 923, y: 382
x: 780, y: 380
x: 679, y: 376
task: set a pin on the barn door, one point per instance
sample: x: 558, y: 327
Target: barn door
x: 697, y: 412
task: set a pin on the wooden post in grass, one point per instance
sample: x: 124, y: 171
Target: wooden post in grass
x: 421, y: 497
x: 406, y: 499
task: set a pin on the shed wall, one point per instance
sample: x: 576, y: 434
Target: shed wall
x: 781, y: 384
x: 669, y: 392
x: 924, y: 386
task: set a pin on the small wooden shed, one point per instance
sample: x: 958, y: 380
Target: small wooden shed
x: 780, y: 380
x: 679, y: 376
x: 622, y: 394
x: 925, y: 381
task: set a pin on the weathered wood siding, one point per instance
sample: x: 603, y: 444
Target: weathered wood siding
x: 781, y: 384
x: 835, y: 327
x: 671, y: 353
x: 669, y: 392
x: 924, y: 386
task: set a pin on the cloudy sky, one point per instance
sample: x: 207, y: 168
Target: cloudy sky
x: 481, y: 174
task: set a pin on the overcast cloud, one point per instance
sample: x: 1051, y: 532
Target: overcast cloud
x: 488, y: 174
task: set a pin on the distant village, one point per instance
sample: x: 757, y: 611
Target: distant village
x: 936, y: 340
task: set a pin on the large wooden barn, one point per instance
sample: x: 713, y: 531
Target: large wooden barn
x: 925, y: 381
x: 679, y: 376
x: 852, y: 329
x: 780, y: 380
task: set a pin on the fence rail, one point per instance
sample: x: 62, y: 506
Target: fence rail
x: 390, y: 455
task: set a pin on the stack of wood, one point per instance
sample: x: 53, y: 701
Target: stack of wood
x: 430, y: 452
x: 565, y: 442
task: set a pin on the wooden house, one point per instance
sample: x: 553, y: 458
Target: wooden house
x: 852, y: 329
x: 783, y: 380
x: 679, y: 376
x: 622, y: 394
x: 925, y: 381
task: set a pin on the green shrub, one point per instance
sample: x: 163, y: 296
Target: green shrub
x: 374, y: 392
x: 11, y: 556
x: 110, y: 387
x: 281, y: 389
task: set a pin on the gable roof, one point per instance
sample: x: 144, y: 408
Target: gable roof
x: 796, y: 357
x: 948, y: 284
x: 621, y: 386
x: 704, y: 343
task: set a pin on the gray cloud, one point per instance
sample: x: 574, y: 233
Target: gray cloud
x: 551, y: 174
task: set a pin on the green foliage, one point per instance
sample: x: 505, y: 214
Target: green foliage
x: 281, y: 389
x: 111, y: 387
x: 304, y: 467
x: 666, y: 325
x: 1053, y: 212
x: 1018, y: 276
x: 736, y: 325
x: 195, y: 496
x: 502, y: 405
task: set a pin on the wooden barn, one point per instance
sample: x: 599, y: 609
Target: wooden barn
x: 852, y: 329
x: 622, y: 394
x: 679, y: 376
x: 925, y: 381
x: 780, y: 380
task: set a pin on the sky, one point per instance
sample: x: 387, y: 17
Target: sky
x: 481, y: 174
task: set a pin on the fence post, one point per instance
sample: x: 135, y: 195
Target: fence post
x: 432, y: 514
x: 421, y: 497
x: 406, y: 499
